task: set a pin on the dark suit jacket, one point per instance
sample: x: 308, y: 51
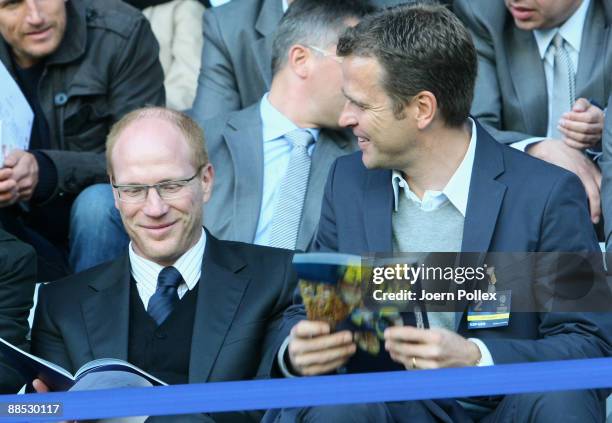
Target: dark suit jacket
x: 510, y: 96
x: 235, y: 147
x: 17, y: 278
x: 237, y: 330
x: 516, y: 204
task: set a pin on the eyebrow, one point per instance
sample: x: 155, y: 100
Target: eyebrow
x: 353, y: 100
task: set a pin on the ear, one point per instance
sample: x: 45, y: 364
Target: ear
x: 298, y: 60
x: 426, y: 107
x: 207, y: 180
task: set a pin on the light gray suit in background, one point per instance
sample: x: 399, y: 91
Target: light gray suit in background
x: 510, y: 98
x: 605, y: 164
x: 236, y: 57
x: 237, y: 54
x: 235, y: 148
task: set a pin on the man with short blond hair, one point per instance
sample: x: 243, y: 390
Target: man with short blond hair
x: 179, y: 303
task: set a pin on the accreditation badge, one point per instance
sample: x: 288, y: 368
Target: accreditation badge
x: 492, y: 313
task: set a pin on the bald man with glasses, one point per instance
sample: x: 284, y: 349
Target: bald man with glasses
x: 180, y: 304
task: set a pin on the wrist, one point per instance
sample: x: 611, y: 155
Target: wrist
x: 474, y: 353
x: 535, y: 149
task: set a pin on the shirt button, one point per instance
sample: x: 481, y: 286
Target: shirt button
x: 60, y: 99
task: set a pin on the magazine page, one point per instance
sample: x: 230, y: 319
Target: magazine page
x: 32, y: 367
x: 115, y: 365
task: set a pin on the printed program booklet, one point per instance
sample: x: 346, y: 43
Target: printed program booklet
x: 333, y: 288
x: 105, y: 373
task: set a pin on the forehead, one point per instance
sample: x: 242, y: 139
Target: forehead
x: 150, y: 146
x: 362, y: 78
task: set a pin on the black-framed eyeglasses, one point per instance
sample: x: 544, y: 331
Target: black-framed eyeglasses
x: 167, y: 190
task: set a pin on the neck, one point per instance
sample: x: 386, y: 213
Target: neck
x: 288, y: 98
x: 24, y: 62
x: 441, y: 151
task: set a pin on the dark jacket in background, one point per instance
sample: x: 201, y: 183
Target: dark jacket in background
x: 106, y: 65
x: 17, y: 272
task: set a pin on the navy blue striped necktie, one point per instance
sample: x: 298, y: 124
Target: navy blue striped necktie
x: 166, y: 296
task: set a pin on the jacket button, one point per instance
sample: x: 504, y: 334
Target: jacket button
x: 60, y: 99
x: 91, y: 14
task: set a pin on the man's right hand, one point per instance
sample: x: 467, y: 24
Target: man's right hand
x: 560, y: 154
x: 314, y: 351
x: 9, y: 190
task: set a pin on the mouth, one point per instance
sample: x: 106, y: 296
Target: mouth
x: 158, y: 230
x: 521, y: 13
x: 362, y: 142
x: 40, y: 34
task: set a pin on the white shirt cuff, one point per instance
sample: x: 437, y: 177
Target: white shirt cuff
x: 522, y: 145
x: 280, y: 358
x: 485, y: 355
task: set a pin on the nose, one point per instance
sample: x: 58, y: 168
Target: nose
x: 154, y: 205
x: 347, y: 118
x: 33, y: 17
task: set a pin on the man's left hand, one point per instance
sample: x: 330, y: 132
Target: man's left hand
x: 25, y: 172
x: 583, y: 125
x: 429, y: 348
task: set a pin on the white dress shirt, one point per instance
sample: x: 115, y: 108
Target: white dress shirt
x: 276, y: 155
x: 571, y: 31
x: 456, y: 190
x: 214, y: 3
x: 145, y: 272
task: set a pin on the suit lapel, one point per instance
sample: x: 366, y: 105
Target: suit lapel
x: 219, y: 295
x: 594, y: 37
x: 330, y: 145
x: 378, y: 211
x: 106, y: 312
x: 484, y: 204
x: 528, y: 78
x: 245, y: 143
x: 267, y: 21
x: 485, y: 196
